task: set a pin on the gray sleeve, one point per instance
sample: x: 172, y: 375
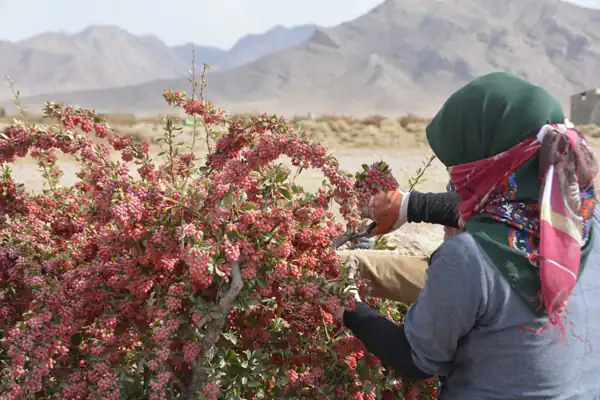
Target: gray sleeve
x: 448, y: 306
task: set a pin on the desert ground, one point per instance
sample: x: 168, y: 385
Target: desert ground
x: 400, y: 142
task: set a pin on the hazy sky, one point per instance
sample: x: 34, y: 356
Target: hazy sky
x: 216, y: 23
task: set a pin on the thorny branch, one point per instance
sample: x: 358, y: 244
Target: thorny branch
x: 16, y: 96
x: 194, y: 87
x: 414, y: 181
x: 203, y: 85
x: 213, y: 330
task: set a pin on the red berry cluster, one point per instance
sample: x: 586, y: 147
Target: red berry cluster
x: 179, y: 279
x: 373, y: 179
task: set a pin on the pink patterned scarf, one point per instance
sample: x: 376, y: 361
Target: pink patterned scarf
x: 567, y: 166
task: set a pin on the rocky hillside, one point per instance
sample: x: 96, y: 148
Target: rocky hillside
x: 107, y: 57
x: 404, y: 55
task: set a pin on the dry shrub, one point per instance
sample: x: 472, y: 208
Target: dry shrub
x: 142, y: 137
x: 374, y: 120
x: 592, y: 131
x: 335, y: 117
x: 160, y: 118
x: 245, y: 116
x: 120, y: 119
x: 30, y: 119
x: 340, y: 126
x: 409, y: 119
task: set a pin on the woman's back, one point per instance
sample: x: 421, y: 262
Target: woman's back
x: 503, y: 357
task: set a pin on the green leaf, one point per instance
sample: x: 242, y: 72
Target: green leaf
x: 230, y: 337
x: 285, y: 193
x: 252, y: 302
x: 76, y: 339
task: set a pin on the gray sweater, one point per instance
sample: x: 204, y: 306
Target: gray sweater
x: 470, y: 328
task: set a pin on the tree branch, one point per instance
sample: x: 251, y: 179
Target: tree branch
x: 200, y: 371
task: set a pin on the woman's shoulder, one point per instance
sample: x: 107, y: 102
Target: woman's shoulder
x: 461, y: 246
x: 462, y: 258
x: 461, y: 255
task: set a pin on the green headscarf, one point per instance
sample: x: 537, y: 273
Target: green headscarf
x: 486, y: 117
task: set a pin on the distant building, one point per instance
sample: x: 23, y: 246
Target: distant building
x: 585, y: 108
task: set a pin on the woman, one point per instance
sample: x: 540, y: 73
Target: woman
x: 493, y: 320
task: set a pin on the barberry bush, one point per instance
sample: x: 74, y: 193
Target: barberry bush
x: 189, y: 277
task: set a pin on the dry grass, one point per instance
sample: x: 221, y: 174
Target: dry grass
x: 374, y: 131
x: 334, y: 131
x: 591, y: 131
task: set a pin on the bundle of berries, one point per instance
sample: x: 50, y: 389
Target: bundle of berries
x: 373, y: 179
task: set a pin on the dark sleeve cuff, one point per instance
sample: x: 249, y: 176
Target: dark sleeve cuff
x: 433, y: 208
x: 386, y: 340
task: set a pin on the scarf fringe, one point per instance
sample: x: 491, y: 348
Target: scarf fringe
x: 560, y: 320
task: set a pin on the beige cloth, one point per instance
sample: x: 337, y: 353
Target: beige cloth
x: 391, y: 275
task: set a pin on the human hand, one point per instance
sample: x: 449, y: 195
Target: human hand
x: 364, y: 243
x: 350, y: 269
x: 388, y: 210
x: 339, y: 314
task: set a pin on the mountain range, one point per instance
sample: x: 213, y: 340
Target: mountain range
x: 102, y: 57
x: 402, y: 56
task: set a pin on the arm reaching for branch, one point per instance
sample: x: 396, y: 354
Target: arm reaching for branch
x: 433, y: 208
x: 390, y: 210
